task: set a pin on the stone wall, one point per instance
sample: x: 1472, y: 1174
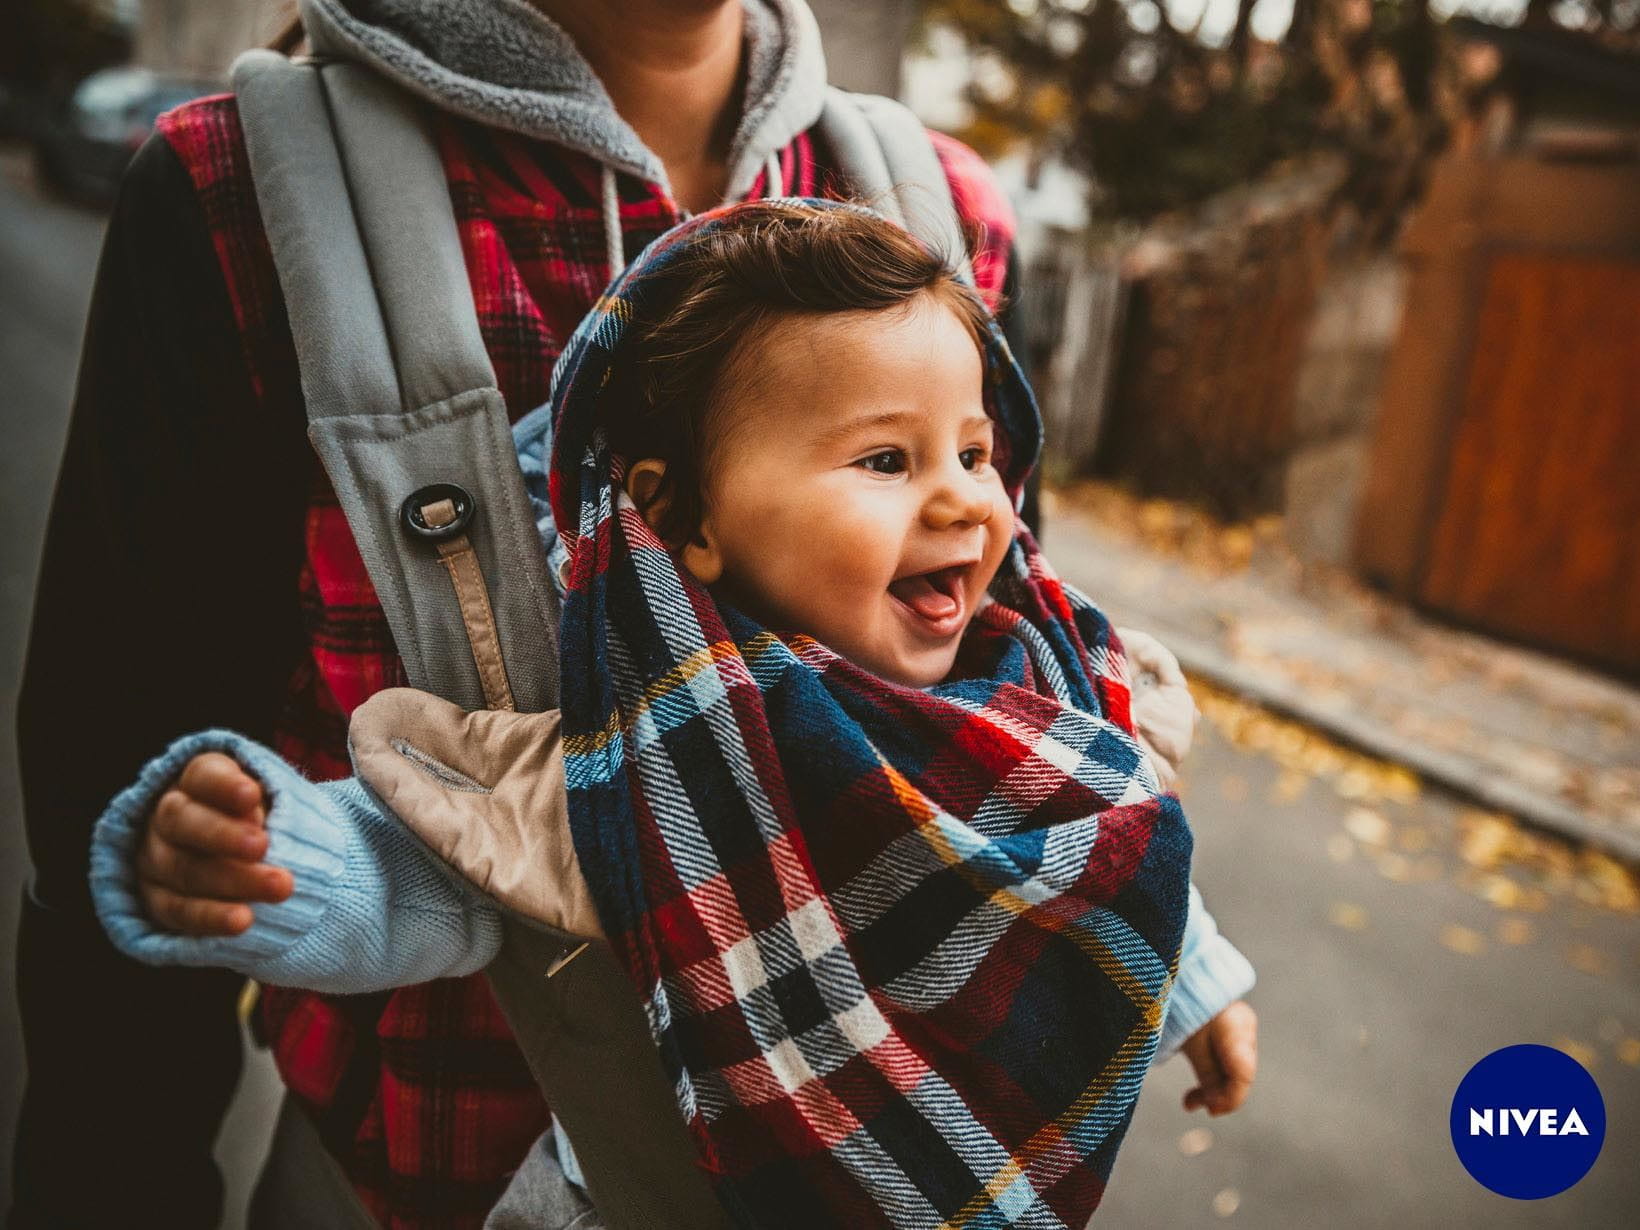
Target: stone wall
x: 1358, y: 310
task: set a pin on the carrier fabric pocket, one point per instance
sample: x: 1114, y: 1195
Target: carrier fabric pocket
x: 484, y: 792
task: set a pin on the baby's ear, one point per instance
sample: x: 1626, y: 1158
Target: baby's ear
x: 643, y: 486
x: 699, y: 552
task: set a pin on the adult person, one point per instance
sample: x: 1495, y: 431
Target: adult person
x: 572, y: 132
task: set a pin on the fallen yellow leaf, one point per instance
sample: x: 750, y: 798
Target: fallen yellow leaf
x: 1484, y: 839
x: 1413, y: 840
x: 1259, y: 733
x: 1355, y: 785
x: 1583, y: 1053
x: 1195, y: 1142
x: 1236, y: 546
x: 1534, y: 899
x: 1290, y: 785
x: 1289, y: 742
x: 1463, y: 940
x: 1367, y: 826
x: 1347, y: 915
x: 1589, y: 959
x: 1401, y: 784
x: 1396, y: 868
x: 1614, y: 884
x: 1515, y: 931
x: 1319, y: 758
x: 1501, y: 891
x: 1227, y: 1202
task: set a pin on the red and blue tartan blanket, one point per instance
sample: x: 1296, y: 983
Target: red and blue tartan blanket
x: 904, y: 952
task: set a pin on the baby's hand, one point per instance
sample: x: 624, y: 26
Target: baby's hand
x: 200, y: 862
x: 1224, y: 1053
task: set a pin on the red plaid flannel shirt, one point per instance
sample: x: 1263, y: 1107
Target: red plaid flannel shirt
x: 422, y: 1092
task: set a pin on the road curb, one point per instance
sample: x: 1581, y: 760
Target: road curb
x: 1452, y: 773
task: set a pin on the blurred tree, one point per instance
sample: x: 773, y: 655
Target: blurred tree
x: 1161, y: 119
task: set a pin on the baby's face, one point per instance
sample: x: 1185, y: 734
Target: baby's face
x: 849, y: 490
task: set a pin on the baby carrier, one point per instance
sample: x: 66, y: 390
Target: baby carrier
x: 406, y: 417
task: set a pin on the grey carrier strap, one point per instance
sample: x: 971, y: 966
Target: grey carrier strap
x: 401, y: 396
x: 405, y: 415
x: 883, y: 151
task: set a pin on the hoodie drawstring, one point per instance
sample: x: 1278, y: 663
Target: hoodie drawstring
x: 614, y: 247
x: 614, y: 240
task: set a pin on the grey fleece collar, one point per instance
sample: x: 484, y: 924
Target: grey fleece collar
x: 505, y: 64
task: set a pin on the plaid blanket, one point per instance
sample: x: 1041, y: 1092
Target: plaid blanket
x: 905, y: 952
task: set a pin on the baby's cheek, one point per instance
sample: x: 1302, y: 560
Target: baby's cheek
x: 826, y: 582
x: 861, y: 544
x: 1000, y: 529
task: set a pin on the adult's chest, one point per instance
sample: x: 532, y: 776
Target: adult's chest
x: 537, y: 245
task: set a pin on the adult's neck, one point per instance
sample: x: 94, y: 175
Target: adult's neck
x: 674, y: 69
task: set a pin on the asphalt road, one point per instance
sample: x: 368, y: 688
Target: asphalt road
x: 1384, y: 974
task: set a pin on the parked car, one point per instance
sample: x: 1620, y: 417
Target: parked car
x: 84, y: 151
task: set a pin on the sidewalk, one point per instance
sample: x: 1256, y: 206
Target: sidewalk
x: 1512, y: 730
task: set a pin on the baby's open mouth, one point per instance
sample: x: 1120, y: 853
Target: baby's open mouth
x: 936, y: 598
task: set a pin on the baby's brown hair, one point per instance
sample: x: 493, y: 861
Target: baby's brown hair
x: 759, y: 264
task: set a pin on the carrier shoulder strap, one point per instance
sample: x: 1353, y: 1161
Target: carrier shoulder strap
x: 402, y: 403
x: 883, y: 151
x: 401, y: 397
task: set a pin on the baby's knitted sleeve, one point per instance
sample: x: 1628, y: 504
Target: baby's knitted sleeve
x: 1213, y: 974
x: 371, y: 909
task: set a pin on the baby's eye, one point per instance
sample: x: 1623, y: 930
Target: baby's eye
x: 972, y: 458
x: 889, y: 461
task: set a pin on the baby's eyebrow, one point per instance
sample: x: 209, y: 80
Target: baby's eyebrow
x: 864, y: 422
x: 888, y: 418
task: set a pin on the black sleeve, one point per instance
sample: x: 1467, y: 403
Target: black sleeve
x: 166, y: 602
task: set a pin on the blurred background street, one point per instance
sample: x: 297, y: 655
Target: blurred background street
x: 1276, y: 443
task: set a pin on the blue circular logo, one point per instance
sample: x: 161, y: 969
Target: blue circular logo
x: 1528, y: 1121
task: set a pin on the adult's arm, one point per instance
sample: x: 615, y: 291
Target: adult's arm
x: 166, y: 602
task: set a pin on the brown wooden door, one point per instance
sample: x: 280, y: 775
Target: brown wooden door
x: 1504, y: 489
x: 1537, y: 534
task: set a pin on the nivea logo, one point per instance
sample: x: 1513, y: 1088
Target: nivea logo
x: 1541, y: 1119
x: 1528, y: 1122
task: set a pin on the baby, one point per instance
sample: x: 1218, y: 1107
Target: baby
x: 805, y: 428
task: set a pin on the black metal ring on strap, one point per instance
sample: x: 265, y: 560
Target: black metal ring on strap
x: 459, y: 497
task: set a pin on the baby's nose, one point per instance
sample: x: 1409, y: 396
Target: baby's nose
x: 960, y: 502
